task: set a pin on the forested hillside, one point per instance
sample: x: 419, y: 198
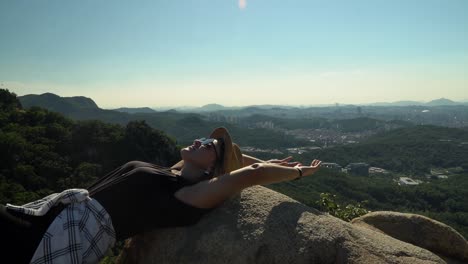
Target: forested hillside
x: 43, y: 152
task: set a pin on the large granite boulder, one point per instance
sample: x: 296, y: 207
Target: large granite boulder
x: 262, y: 226
x: 418, y: 230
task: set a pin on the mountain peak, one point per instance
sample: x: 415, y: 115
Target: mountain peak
x: 441, y: 101
x: 57, y: 103
x: 212, y: 107
x: 134, y: 110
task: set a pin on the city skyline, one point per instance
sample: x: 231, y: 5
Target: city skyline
x: 236, y: 53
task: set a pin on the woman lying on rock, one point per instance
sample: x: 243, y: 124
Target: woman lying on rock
x: 80, y: 225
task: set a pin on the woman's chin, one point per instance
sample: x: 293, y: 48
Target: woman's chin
x: 185, y: 155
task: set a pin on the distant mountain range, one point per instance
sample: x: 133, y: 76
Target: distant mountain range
x: 436, y: 102
x: 76, y: 103
x: 185, y: 125
x: 135, y: 110
x: 218, y: 107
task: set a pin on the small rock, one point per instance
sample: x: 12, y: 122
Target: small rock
x: 418, y: 230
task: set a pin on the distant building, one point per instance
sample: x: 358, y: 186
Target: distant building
x: 407, y: 181
x: 358, y: 168
x: 332, y: 166
x: 299, y: 151
x: 275, y: 151
x: 376, y: 170
x: 436, y: 176
x: 313, y: 148
x: 436, y: 172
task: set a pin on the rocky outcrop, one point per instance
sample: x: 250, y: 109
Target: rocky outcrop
x: 262, y: 226
x: 418, y: 230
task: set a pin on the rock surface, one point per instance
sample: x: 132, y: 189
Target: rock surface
x: 418, y: 230
x: 262, y: 226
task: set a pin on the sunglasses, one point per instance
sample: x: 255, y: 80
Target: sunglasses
x: 208, y: 143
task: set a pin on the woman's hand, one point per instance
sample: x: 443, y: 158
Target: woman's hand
x: 309, y: 170
x: 284, y: 162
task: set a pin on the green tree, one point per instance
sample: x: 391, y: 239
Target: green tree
x: 8, y: 101
x: 328, y: 203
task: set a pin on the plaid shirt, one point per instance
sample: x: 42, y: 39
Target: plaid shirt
x: 81, y: 233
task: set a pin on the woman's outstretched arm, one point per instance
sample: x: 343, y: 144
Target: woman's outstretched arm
x: 249, y: 160
x: 211, y: 193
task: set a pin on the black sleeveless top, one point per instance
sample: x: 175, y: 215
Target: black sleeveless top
x: 140, y: 197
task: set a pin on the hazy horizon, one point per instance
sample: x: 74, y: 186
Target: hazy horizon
x: 236, y: 53
x: 226, y: 105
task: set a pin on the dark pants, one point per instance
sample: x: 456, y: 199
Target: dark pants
x: 21, y: 234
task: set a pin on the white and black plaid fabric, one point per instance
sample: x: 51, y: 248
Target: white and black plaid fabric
x: 81, y: 233
x: 42, y: 206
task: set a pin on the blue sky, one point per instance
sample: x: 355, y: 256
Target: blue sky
x: 171, y: 52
